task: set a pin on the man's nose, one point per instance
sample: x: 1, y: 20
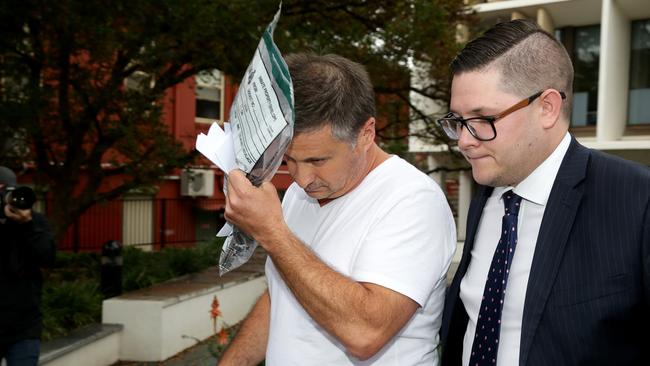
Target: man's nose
x: 302, y: 174
x: 465, y: 139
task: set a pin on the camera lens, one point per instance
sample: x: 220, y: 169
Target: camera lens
x: 22, y: 198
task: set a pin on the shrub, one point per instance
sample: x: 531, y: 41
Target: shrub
x: 69, y: 305
x: 143, y: 269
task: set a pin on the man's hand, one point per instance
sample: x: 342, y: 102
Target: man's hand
x: 18, y: 215
x: 255, y: 210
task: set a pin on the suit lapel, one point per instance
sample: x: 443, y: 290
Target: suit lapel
x: 557, y: 222
x: 473, y: 219
x: 454, y: 321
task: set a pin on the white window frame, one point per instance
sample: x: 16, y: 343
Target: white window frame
x: 210, y: 80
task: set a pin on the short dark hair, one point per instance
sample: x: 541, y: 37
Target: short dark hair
x: 529, y: 59
x: 330, y: 90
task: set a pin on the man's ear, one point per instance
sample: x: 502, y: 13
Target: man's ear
x: 367, y: 134
x: 551, y: 102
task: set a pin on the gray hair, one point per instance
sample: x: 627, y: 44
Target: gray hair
x: 330, y: 90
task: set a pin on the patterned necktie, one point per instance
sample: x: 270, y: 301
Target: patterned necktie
x: 488, y: 326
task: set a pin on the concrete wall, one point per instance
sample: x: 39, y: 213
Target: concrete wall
x: 158, y: 328
x: 155, y: 328
x: 97, y: 344
x: 103, y: 352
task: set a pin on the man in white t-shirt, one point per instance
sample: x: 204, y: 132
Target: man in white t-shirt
x: 359, y: 248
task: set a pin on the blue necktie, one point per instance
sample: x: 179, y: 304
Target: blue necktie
x: 488, y: 326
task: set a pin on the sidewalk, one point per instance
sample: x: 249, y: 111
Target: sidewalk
x: 198, y: 355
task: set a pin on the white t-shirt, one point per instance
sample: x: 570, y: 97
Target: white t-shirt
x: 395, y: 229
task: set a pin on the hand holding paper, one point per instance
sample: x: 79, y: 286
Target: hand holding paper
x: 262, y: 117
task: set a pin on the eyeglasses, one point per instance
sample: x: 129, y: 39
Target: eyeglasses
x: 482, y: 128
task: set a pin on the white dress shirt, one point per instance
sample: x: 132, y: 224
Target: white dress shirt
x: 534, y: 190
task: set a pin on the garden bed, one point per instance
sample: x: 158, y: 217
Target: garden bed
x: 71, y: 290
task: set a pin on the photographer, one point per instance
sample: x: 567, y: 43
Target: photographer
x: 26, y: 245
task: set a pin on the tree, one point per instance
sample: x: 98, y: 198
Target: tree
x: 63, y: 66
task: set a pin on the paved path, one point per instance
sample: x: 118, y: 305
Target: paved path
x: 198, y: 355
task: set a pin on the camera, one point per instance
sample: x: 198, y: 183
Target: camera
x: 22, y: 198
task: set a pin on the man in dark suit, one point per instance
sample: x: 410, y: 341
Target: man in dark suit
x: 561, y: 274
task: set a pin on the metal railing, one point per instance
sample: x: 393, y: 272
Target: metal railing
x: 145, y: 223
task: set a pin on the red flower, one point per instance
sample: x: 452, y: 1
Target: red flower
x: 222, y: 337
x: 214, y: 311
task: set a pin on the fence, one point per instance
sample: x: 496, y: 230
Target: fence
x: 146, y: 223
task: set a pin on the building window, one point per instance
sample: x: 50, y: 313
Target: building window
x: 209, y: 93
x: 639, y: 108
x: 583, y: 44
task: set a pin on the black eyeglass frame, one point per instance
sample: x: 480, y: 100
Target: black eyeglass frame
x: 451, y: 117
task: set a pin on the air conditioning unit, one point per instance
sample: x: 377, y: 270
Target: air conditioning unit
x: 197, y: 182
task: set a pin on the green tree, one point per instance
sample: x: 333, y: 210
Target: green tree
x: 63, y: 66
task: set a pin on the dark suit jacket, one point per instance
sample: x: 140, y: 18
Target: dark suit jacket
x: 588, y: 295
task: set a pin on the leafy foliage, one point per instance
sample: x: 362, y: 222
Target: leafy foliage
x: 70, y: 305
x: 143, y: 269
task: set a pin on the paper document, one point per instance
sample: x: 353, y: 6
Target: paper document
x: 256, y: 115
x: 217, y: 146
x: 261, y: 127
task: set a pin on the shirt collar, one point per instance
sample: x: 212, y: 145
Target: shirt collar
x: 538, y: 184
